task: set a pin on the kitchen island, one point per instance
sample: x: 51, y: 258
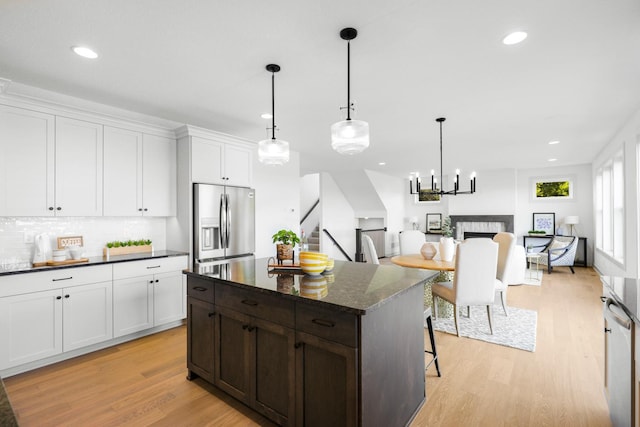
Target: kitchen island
x: 345, y: 348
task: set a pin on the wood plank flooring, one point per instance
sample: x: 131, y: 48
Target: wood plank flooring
x: 142, y: 383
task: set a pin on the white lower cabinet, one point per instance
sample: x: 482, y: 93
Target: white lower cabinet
x: 148, y: 293
x: 45, y: 314
x: 42, y: 324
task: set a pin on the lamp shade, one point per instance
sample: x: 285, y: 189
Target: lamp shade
x: 572, y: 220
x: 350, y: 136
x: 273, y: 152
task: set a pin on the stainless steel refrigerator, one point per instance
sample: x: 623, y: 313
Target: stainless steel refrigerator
x: 224, y: 222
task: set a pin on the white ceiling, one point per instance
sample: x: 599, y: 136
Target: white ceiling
x: 576, y: 78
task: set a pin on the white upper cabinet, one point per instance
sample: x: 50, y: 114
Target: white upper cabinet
x: 122, y: 176
x: 78, y: 168
x: 139, y: 174
x: 49, y: 165
x: 26, y: 162
x: 158, y: 175
x: 216, y: 162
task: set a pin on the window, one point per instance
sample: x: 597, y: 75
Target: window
x: 558, y: 188
x: 609, y: 207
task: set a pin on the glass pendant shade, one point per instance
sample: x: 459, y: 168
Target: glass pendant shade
x: 350, y: 136
x: 273, y: 152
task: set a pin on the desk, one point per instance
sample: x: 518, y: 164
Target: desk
x: 543, y: 240
x: 418, y: 261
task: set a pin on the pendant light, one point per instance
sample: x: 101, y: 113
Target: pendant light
x: 434, y: 181
x: 273, y: 151
x: 349, y: 136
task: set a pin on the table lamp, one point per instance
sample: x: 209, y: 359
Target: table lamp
x: 414, y: 221
x: 572, y: 220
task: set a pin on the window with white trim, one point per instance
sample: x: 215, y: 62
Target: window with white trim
x: 609, y: 207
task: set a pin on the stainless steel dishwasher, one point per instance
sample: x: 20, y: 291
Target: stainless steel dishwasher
x: 619, y: 362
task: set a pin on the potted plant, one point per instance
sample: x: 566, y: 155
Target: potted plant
x: 447, y: 247
x: 286, y: 240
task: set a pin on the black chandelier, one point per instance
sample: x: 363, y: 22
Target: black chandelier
x: 434, y: 181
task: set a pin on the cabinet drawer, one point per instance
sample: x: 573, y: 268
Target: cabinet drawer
x: 268, y: 307
x: 15, y: 284
x: 200, y: 289
x: 123, y: 270
x: 329, y: 324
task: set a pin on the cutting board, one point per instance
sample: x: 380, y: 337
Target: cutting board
x: 65, y: 262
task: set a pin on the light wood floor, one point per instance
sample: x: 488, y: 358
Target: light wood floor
x: 143, y: 382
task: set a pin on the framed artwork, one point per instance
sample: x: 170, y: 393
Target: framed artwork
x: 545, y: 222
x: 552, y: 188
x: 434, y: 223
x: 427, y: 196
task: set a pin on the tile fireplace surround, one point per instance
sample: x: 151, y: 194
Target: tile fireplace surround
x: 480, y: 224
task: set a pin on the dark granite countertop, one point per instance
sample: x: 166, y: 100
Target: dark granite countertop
x: 98, y: 260
x: 7, y: 417
x: 351, y: 286
x: 625, y: 291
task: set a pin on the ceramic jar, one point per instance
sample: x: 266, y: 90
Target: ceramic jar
x: 428, y: 250
x: 447, y: 248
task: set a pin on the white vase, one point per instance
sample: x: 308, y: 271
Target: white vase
x: 447, y: 248
x: 428, y: 250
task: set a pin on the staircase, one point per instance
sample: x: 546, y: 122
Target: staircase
x: 314, y: 240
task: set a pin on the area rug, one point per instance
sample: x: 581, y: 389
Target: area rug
x: 518, y: 330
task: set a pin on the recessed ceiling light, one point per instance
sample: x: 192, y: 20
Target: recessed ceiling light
x: 266, y: 115
x: 382, y: 163
x: 514, y: 38
x: 85, y: 52
x: 554, y: 142
x: 552, y: 160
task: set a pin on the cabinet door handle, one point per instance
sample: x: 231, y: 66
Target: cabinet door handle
x: 251, y: 328
x: 157, y: 280
x: 150, y: 281
x: 153, y: 266
x: 249, y: 302
x: 298, y: 344
x: 139, y: 209
x: 323, y: 322
x: 199, y: 288
x: 50, y: 208
x: 244, y: 327
x: 607, y: 330
x: 58, y: 297
x: 145, y: 209
x: 66, y: 296
x: 213, y: 313
x: 64, y: 278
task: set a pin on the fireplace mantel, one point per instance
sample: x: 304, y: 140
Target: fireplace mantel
x: 507, y: 220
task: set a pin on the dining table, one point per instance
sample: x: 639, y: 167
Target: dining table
x: 445, y: 309
x: 418, y: 261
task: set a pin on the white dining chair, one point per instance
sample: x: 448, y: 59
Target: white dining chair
x: 506, y: 246
x: 369, y: 250
x: 473, y: 281
x: 411, y: 241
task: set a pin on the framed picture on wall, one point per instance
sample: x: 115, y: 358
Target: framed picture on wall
x: 545, y: 222
x: 434, y: 223
x: 552, y: 188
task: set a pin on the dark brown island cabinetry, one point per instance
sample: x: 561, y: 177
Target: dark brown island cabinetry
x: 307, y: 362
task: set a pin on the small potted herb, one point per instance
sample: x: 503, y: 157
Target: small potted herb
x: 285, y: 242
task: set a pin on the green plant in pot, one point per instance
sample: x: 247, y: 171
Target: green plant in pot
x: 285, y: 242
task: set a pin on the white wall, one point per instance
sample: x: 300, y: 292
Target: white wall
x: 389, y: 190
x: 338, y: 217
x: 277, y: 201
x: 627, y: 138
x: 309, y: 194
x: 362, y: 196
x: 495, y: 195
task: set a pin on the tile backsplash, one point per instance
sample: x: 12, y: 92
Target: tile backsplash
x: 96, y: 232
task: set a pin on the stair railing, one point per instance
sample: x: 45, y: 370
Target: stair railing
x: 337, y: 244
x: 359, y: 231
x: 309, y: 211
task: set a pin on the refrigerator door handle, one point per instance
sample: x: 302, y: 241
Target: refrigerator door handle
x: 229, y: 216
x: 223, y: 221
